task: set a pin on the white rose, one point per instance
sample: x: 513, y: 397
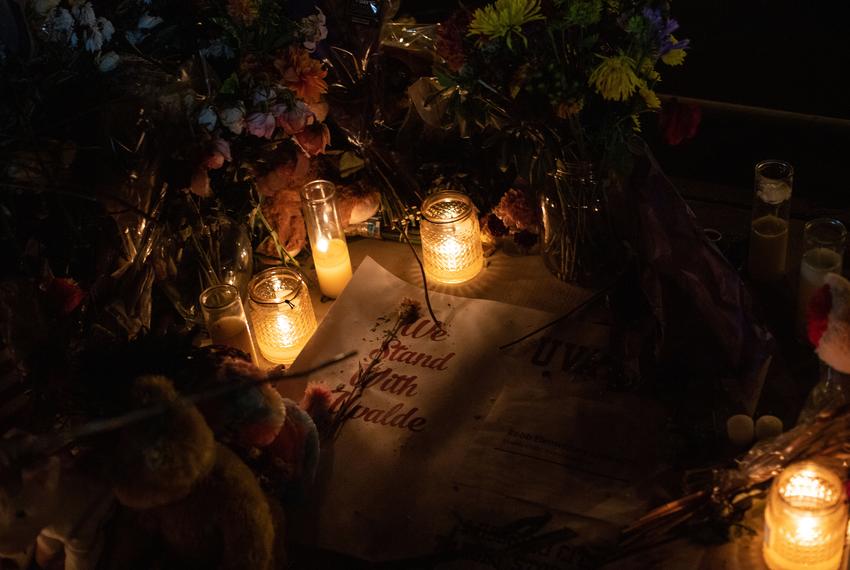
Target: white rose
x: 148, y: 22
x: 108, y: 61
x: 234, y: 119
x: 84, y: 14
x: 106, y: 28
x: 94, y: 41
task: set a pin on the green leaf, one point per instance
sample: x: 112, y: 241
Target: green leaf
x: 350, y: 163
x: 230, y: 85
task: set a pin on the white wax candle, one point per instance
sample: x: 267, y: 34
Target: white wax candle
x: 233, y: 331
x: 814, y: 267
x: 333, y: 266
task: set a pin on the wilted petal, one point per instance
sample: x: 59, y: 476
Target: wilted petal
x: 261, y: 125
x: 314, y: 139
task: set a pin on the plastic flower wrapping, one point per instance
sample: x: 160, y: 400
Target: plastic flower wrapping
x: 177, y: 120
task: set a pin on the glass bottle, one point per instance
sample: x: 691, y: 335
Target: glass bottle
x: 327, y: 239
x: 774, y: 180
x: 281, y: 313
x: 824, y: 240
x: 451, y: 237
x: 225, y: 318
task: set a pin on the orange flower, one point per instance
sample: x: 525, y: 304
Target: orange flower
x: 302, y: 73
x: 243, y: 11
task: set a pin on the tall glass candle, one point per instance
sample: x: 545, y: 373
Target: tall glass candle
x: 451, y: 238
x: 327, y: 239
x: 225, y: 318
x: 774, y: 180
x: 805, y: 521
x: 824, y: 240
x: 281, y: 313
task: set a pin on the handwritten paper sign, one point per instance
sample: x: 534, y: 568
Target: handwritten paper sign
x: 388, y: 479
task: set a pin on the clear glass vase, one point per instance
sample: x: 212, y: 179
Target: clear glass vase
x: 578, y: 243
x: 215, y: 251
x: 831, y: 391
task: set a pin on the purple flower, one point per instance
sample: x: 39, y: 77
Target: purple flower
x: 660, y: 30
x: 295, y: 119
x: 261, y: 125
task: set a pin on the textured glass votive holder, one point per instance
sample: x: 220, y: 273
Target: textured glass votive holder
x: 451, y: 238
x: 281, y: 314
x: 805, y: 522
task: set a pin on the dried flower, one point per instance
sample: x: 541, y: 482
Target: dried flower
x: 515, y: 211
x: 504, y: 19
x: 409, y: 311
x: 314, y: 139
x: 243, y: 11
x: 317, y: 401
x: 218, y: 155
x: 615, y: 78
x: 493, y: 226
x: 302, y: 74
x: 313, y: 30
x: 261, y: 125
x: 294, y: 119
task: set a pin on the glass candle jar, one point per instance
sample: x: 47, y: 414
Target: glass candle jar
x: 225, y: 318
x: 824, y: 240
x: 281, y: 313
x: 327, y: 239
x: 451, y: 238
x: 774, y: 180
x: 805, y: 521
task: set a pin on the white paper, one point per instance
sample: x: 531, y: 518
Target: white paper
x: 388, y: 487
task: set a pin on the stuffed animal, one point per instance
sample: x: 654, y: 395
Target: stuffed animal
x: 50, y: 509
x: 193, y: 497
x: 829, y: 322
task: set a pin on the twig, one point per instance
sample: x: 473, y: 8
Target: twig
x: 403, y: 231
x: 572, y: 312
x: 18, y: 450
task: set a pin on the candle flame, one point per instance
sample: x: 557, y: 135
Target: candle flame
x: 322, y: 245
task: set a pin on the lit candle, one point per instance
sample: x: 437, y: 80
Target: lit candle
x: 330, y: 252
x: 451, y: 238
x: 281, y: 313
x: 333, y: 266
x: 225, y: 318
x: 805, y: 520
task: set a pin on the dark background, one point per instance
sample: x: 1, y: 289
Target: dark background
x: 772, y: 55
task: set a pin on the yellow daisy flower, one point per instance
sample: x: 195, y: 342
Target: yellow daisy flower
x: 650, y: 98
x: 615, y: 78
x: 504, y: 18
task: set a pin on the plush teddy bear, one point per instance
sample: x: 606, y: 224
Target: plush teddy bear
x: 197, y: 503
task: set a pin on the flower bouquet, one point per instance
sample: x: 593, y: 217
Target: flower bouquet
x: 172, y: 118
x: 558, y: 88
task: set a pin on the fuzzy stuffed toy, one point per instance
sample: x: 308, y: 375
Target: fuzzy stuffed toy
x: 829, y: 322
x: 195, y: 498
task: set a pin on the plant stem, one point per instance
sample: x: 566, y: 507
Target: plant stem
x: 424, y: 278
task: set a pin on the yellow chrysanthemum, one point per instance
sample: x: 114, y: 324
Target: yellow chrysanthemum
x: 504, y: 18
x: 647, y: 69
x: 613, y: 6
x: 650, y: 98
x: 675, y: 56
x: 635, y: 123
x: 615, y: 78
